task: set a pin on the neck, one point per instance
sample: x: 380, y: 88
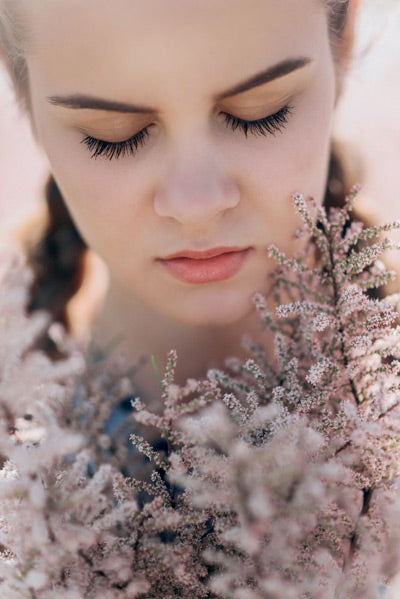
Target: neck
x: 142, y: 332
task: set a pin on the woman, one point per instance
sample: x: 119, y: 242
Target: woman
x: 176, y: 133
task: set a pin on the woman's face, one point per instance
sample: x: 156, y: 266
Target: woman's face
x: 179, y: 79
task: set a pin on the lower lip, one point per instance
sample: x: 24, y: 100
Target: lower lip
x: 207, y: 270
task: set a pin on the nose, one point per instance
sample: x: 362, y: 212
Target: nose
x: 195, y: 190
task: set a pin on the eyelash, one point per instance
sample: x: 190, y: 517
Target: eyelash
x: 269, y: 125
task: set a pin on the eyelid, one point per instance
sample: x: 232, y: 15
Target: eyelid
x: 268, y: 125
x: 113, y: 150
x: 111, y: 133
x: 261, y: 103
x: 95, y: 134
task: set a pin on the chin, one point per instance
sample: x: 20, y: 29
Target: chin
x: 212, y: 310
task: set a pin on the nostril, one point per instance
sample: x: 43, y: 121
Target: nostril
x: 160, y: 204
x: 231, y: 192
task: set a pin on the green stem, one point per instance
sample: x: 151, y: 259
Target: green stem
x: 153, y: 363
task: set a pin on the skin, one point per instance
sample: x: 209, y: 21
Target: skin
x: 195, y: 183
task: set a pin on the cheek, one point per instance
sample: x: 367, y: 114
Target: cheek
x: 296, y: 159
x: 109, y: 208
x: 106, y: 199
x: 274, y: 168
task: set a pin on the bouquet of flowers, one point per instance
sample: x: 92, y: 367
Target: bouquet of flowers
x: 276, y: 478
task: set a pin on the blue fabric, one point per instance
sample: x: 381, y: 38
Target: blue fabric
x: 118, y: 417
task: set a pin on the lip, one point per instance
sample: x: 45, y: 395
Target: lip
x: 206, y: 266
x: 204, y: 254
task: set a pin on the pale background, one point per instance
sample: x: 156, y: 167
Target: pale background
x: 368, y: 115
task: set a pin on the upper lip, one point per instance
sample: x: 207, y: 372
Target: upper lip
x: 204, y: 254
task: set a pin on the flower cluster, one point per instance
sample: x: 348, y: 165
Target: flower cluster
x: 275, y: 478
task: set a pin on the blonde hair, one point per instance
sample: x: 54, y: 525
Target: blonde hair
x: 13, y: 47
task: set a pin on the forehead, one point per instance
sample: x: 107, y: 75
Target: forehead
x: 91, y: 43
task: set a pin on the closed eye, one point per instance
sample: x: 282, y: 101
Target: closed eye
x: 114, y: 150
x: 268, y: 125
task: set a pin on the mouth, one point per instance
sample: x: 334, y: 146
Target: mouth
x: 206, y: 266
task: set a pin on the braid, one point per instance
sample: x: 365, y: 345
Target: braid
x: 337, y: 16
x: 57, y: 259
x: 345, y: 169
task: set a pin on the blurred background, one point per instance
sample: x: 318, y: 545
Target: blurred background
x: 368, y: 117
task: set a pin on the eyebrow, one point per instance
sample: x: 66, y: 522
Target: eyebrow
x: 79, y: 102
x: 278, y: 70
